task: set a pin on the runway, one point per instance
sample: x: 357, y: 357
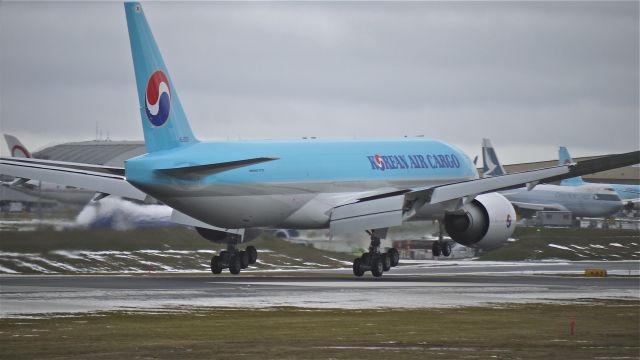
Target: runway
x: 460, y: 285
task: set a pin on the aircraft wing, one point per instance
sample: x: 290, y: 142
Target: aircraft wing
x: 102, y: 179
x: 392, y: 208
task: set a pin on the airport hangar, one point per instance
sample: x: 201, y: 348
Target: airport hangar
x: 114, y: 153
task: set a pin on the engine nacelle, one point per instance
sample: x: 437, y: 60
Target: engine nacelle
x: 485, y: 223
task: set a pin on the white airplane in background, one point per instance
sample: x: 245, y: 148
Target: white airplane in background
x: 629, y: 193
x: 586, y: 200
x: 63, y: 193
x: 231, y: 190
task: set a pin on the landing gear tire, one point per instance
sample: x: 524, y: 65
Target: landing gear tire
x: 244, y: 259
x: 253, y: 254
x: 445, y: 248
x: 386, y: 262
x: 357, y: 268
x: 435, y: 248
x: 216, y: 267
x: 395, y: 256
x: 377, y: 267
x: 366, y: 258
x: 234, y: 265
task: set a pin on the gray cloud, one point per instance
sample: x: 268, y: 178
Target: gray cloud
x: 530, y: 75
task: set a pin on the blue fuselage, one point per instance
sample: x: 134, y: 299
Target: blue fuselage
x: 306, y: 181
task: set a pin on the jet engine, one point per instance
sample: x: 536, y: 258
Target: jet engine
x: 485, y: 223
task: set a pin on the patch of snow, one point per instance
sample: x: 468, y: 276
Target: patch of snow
x: 68, y: 254
x: 7, y: 270
x: 561, y: 247
x: 339, y: 261
x: 55, y: 264
x: 579, y: 247
x: 31, y: 266
x: 618, y: 245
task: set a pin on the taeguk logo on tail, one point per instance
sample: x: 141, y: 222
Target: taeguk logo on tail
x: 158, y: 98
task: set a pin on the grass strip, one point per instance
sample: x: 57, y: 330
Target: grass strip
x: 603, y: 329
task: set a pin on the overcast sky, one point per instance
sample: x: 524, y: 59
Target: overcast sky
x: 531, y: 76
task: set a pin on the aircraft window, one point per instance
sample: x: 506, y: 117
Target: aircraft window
x: 609, y: 197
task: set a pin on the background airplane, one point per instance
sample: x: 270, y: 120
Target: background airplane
x: 230, y: 191
x: 113, y: 213
x: 585, y: 200
x: 630, y: 194
x: 63, y: 193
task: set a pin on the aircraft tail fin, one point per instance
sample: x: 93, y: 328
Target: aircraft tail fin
x: 164, y: 123
x: 490, y: 164
x: 16, y: 149
x: 565, y: 159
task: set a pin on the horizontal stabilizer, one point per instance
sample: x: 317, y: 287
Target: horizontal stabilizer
x: 70, y: 165
x: 199, y: 171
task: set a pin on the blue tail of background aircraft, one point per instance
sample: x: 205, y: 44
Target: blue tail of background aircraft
x: 164, y: 123
x: 565, y: 158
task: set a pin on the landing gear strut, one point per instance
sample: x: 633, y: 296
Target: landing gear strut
x: 374, y: 260
x: 233, y: 259
x: 441, y: 247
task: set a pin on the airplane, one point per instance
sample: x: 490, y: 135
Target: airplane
x: 586, y: 200
x: 51, y: 191
x: 117, y: 213
x: 630, y: 194
x: 231, y: 190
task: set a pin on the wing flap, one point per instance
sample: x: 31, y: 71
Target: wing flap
x: 73, y: 176
x: 364, y: 215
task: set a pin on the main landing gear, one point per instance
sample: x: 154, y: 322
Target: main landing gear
x: 233, y: 259
x: 374, y: 260
x: 441, y: 247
